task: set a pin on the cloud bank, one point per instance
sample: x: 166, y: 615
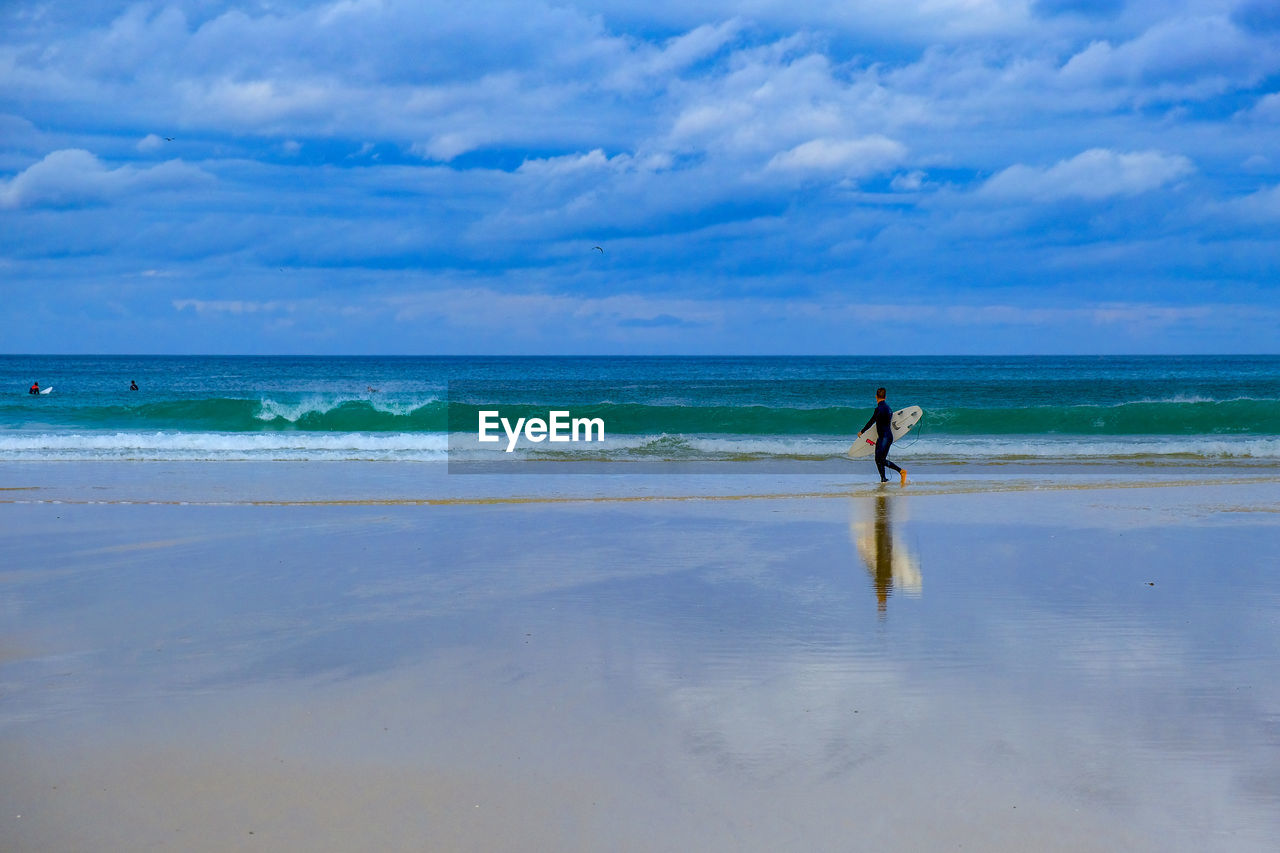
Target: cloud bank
x: 751, y: 172
x: 74, y: 178
x: 1093, y: 174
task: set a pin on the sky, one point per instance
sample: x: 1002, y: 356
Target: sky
x: 759, y: 176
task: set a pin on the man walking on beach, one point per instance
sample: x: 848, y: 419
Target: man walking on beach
x: 882, y: 418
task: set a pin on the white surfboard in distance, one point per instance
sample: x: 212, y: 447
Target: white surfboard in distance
x: 48, y: 390
x: 900, y: 424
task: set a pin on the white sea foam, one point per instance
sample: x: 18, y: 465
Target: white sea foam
x: 317, y: 404
x: 418, y: 446
x: 213, y: 446
x: 1108, y: 447
x: 940, y: 448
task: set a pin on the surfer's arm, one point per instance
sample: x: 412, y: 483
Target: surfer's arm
x: 869, y: 423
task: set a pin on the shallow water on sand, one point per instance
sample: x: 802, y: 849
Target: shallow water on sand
x: 1086, y: 668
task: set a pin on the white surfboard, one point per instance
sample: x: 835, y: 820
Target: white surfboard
x: 901, y: 423
x: 48, y: 390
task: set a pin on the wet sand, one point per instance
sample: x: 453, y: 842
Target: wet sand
x: 360, y: 657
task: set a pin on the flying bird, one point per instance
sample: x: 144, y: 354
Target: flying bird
x: 168, y: 139
x: 598, y: 249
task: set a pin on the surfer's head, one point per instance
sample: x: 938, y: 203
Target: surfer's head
x: 880, y: 393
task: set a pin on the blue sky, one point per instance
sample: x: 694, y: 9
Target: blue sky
x: 387, y: 176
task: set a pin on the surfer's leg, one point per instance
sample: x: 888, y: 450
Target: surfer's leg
x: 882, y: 456
x: 882, y: 459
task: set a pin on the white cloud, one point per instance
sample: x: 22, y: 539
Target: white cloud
x: 646, y: 66
x: 908, y: 181
x: 1094, y: 174
x: 1260, y: 206
x: 485, y: 307
x: 1266, y: 109
x: 784, y: 108
x: 232, y: 306
x: 73, y: 176
x: 264, y: 104
x: 853, y: 157
x: 1135, y: 314
x: 592, y: 161
x: 1184, y: 57
x: 445, y: 147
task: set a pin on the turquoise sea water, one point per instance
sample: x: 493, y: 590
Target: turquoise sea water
x: 1148, y: 409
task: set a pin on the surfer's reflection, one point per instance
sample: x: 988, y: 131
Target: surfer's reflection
x: 887, y: 558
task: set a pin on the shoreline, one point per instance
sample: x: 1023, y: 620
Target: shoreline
x: 429, y: 484
x: 884, y: 490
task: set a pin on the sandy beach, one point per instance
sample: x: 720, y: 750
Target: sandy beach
x: 346, y: 657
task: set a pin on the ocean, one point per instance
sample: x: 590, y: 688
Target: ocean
x: 978, y: 410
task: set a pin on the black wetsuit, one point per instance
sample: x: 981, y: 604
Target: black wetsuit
x: 882, y: 417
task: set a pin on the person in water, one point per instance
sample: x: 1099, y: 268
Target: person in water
x: 882, y: 418
x: 35, y: 388
x: 133, y: 385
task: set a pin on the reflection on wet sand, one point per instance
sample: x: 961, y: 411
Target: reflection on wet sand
x: 885, y: 555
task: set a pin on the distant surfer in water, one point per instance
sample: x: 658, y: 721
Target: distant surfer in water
x: 133, y: 385
x: 35, y: 388
x: 882, y: 418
